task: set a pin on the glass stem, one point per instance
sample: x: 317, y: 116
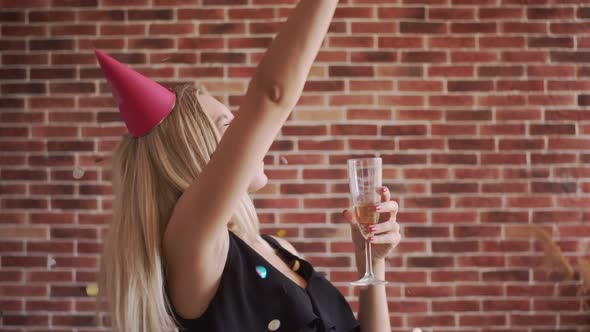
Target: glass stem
x: 368, y: 260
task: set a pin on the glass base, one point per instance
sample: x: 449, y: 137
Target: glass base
x: 369, y: 280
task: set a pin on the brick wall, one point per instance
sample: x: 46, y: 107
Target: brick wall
x: 479, y: 109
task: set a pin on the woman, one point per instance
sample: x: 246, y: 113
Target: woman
x: 184, y: 246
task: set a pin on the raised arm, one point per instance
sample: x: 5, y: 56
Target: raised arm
x: 198, y: 223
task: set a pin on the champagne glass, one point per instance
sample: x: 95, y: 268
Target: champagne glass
x: 364, y: 178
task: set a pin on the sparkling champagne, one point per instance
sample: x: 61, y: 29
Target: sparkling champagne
x: 364, y: 180
x: 366, y: 216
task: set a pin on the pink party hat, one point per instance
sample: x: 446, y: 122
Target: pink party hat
x: 142, y: 102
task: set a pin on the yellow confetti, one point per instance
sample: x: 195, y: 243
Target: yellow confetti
x: 92, y: 290
x: 282, y: 233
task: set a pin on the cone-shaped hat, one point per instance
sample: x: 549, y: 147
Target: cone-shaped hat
x: 142, y: 102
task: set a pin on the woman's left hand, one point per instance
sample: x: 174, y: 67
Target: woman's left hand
x: 385, y: 235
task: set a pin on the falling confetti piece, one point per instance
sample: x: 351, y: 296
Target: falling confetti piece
x: 92, y: 290
x: 261, y: 270
x: 274, y: 325
x: 284, y: 160
x: 78, y: 172
x: 281, y: 233
x: 52, y: 262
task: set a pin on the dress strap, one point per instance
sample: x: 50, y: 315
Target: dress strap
x: 295, y: 263
x: 273, y: 242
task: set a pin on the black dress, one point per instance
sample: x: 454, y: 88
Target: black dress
x: 253, y: 296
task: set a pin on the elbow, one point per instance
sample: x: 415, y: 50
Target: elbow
x: 274, y: 91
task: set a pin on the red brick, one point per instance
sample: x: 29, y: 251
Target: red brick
x: 451, y: 42
x: 481, y: 27
x: 481, y: 261
x: 25, y: 320
x: 483, y: 320
x: 429, y: 292
x: 521, y: 144
x: 371, y: 144
x: 425, y: 173
x: 426, y: 231
x: 11, y: 16
x: 48, y: 305
x: 530, y: 290
x: 73, y: 30
x: 432, y: 320
x: 525, y: 56
x: 478, y: 290
x: 476, y: 231
x: 533, y: 319
x: 456, y: 306
x: 454, y: 276
x: 73, y: 320
x: 454, y: 159
x: 103, y: 15
x: 423, y: 57
x: 450, y: 71
x: 422, y: 27
x: 561, y: 71
x: 471, y: 144
x: 574, y: 56
x: 451, y: 100
x: 502, y: 42
x: 454, y: 246
x: 546, y: 13
x: 419, y: 114
x: 430, y: 86
x: 430, y: 262
x: 523, y: 27
x: 551, y: 42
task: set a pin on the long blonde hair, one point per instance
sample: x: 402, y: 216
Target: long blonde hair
x: 149, y: 174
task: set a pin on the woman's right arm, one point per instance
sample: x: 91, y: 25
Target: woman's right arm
x: 198, y: 223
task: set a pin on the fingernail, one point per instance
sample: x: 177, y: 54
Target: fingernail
x: 371, y: 229
x: 370, y: 239
x: 384, y: 189
x: 377, y: 207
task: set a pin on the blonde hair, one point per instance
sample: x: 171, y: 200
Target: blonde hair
x: 149, y: 174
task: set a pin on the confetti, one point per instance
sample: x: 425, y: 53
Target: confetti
x: 52, y: 263
x: 274, y: 325
x: 261, y: 270
x: 78, y: 172
x: 92, y: 290
x: 281, y: 233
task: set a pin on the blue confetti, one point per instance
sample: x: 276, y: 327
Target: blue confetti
x: 261, y: 270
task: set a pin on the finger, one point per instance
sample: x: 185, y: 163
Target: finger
x: 389, y: 206
x: 389, y: 238
x: 388, y: 226
x: 385, y: 193
x: 348, y: 216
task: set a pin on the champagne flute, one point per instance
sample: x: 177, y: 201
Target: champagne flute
x: 364, y: 178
